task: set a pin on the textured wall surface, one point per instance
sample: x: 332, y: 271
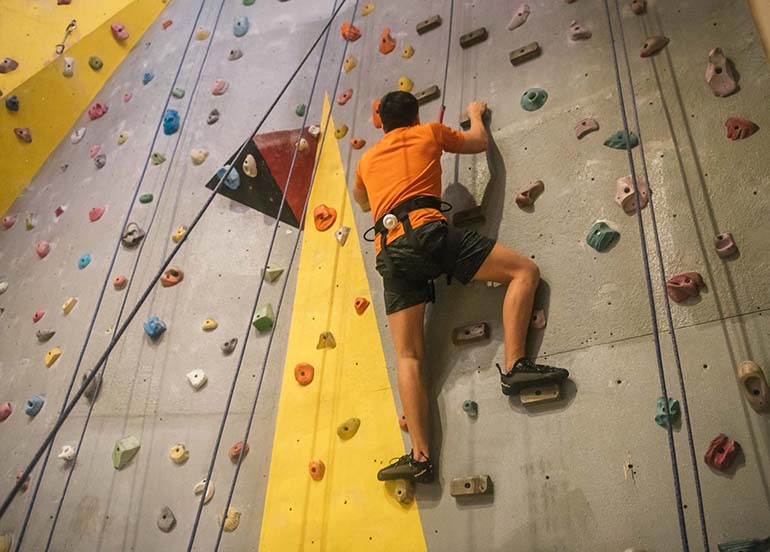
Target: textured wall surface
x: 561, y: 471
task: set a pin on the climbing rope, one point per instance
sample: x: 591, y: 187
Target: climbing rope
x: 100, y: 298
x: 666, y: 302
x: 132, y: 314
x: 650, y: 294
x: 446, y: 63
x: 67, y: 32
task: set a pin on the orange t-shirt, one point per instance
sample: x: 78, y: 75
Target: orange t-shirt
x: 406, y: 163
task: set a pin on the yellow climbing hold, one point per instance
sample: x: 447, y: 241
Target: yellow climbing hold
x: 179, y: 453
x: 52, y: 356
x: 405, y: 84
x: 176, y: 236
x: 202, y: 34
x: 340, y: 132
x: 209, y: 325
x: 122, y: 137
x: 69, y: 304
x: 366, y: 9
x: 407, y: 52
x: 231, y: 520
x: 350, y: 64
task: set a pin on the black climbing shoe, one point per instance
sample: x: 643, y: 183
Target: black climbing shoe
x: 526, y: 373
x: 408, y: 468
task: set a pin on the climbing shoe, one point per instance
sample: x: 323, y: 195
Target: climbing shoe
x: 408, y: 468
x: 526, y: 373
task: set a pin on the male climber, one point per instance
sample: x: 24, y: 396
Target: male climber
x: 400, y: 177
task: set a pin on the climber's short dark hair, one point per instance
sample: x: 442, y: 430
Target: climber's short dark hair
x: 398, y: 109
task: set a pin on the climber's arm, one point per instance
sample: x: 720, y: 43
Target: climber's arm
x: 359, y: 192
x: 476, y: 137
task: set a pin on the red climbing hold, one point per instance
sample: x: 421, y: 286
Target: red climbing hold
x: 528, y: 196
x: 722, y: 452
x: 361, y: 304
x: 303, y: 373
x: 59, y: 211
x: 167, y: 23
x: 387, y: 42
x: 119, y: 31
x: 39, y: 314
x: 684, y: 286
x: 376, y: 113
x: 317, y: 470
x: 324, y: 217
x: 95, y: 213
x: 357, y: 143
x: 5, y: 411
x: 725, y: 244
x: 344, y: 96
x: 42, y: 249
x: 738, y: 129
x: 350, y: 32
x: 97, y: 110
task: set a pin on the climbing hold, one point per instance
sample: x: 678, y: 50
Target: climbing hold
x: 241, y: 26
x: 42, y: 249
x: 145, y: 198
x: 179, y: 453
x: 533, y: 99
x: 8, y: 65
x: 3, y: 286
x: 31, y: 221
x: 350, y: 32
x: 524, y: 53
x: 722, y: 452
x: 232, y: 180
x: 59, y: 211
x: 23, y: 134
x: 344, y: 96
x: 202, y: 34
x: 198, y: 489
x: 234, y: 54
x: 341, y: 131
x: 97, y: 110
x: 68, y: 305
x: 324, y: 217
x: 299, y: 111
x: 376, y: 113
x: 342, y: 234
x: 621, y: 140
x: 237, y: 450
x: 213, y: 116
x: 350, y: 63
x: 33, y: 406
x: 119, y: 282
x: 133, y: 235
x: 37, y: 316
x: 527, y: 197
x: 685, y: 285
x: 663, y: 419
x: 95, y: 213
x: 24, y: 485
x: 178, y: 92
x: 601, y: 236
x: 738, y: 129
x: 93, y: 387
x: 578, y: 32
x: 387, y: 42
x: 69, y: 67
x: 405, y: 84
x: 171, y: 277
x: 586, y: 126
x: 653, y: 45
x: 720, y: 74
x: 198, y: 156
x: 77, y: 135
x: 404, y: 491
x: 67, y: 453
x: 407, y: 52
x: 170, y: 121
x: 314, y: 131
x: 427, y: 95
x: 119, y: 31
x: 100, y: 160
x: 44, y: 335
x: 472, y: 485
x: 229, y: 346
x: 94, y: 150
x: 122, y: 137
x: 147, y: 77
x: 8, y: 221
x: 745, y: 545
x: 176, y: 236
x: 209, y: 325
x: 272, y: 273
x: 167, y: 23
x: 348, y: 429
x: 470, y: 333
x: 127, y: 97
x: 166, y: 519
x: 519, y: 18
x: 154, y: 327
x: 197, y: 378
x: 366, y: 9
x: 302, y: 145
x: 220, y: 87
x: 474, y: 37
x: 124, y: 450
x: 317, y: 470
x: 157, y: 158
x: 264, y: 318
x: 12, y: 103
x: 538, y: 320
x: 361, y: 304
x: 303, y: 373
x: 429, y: 24
x: 5, y: 410
x: 231, y: 520
x: 639, y: 6
x: 725, y: 245
x: 84, y: 260
x: 625, y: 196
x: 754, y: 385
x: 471, y: 408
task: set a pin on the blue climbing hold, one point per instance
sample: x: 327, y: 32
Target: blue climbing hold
x: 84, y: 261
x: 154, y: 327
x: 533, y: 99
x: 34, y: 404
x: 12, y: 103
x: 241, y: 26
x: 170, y: 121
x: 233, y: 180
x: 147, y: 77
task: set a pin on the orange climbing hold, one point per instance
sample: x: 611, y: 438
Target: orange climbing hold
x: 317, y: 470
x: 361, y: 304
x: 350, y: 32
x: 167, y: 23
x: 387, y: 42
x: 171, y: 277
x: 303, y: 373
x: 376, y: 113
x: 357, y: 143
x: 238, y: 449
x: 324, y: 217
x: 119, y: 282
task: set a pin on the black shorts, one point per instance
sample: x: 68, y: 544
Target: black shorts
x: 414, y: 269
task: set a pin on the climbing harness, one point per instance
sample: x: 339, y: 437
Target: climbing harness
x: 446, y: 63
x: 67, y: 32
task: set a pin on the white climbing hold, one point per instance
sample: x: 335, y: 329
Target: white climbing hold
x: 69, y: 67
x: 342, y: 234
x: 314, y: 131
x: 67, y: 453
x: 519, y: 18
x: 197, y: 378
x: 198, y: 155
x: 303, y: 145
x: 77, y: 135
x: 3, y: 287
x: 198, y: 489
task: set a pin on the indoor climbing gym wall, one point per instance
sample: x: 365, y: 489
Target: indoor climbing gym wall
x: 194, y: 351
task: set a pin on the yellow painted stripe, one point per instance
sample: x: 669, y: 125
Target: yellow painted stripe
x: 349, y: 509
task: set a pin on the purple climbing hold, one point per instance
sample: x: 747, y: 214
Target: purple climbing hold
x: 725, y: 244
x: 119, y: 31
x: 586, y: 126
x: 685, y: 285
x: 23, y: 134
x: 625, y: 196
x: 720, y: 75
x: 8, y: 65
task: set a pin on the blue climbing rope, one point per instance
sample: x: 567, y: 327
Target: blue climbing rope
x: 650, y: 294
x: 100, y: 298
x: 446, y: 63
x: 666, y: 301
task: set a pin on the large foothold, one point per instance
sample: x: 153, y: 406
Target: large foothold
x: 524, y: 53
x: 198, y: 156
x: 145, y: 198
x: 234, y: 54
x: 8, y: 65
x: 67, y: 453
x: 97, y: 110
x: 527, y: 197
x: 237, y: 450
x: 232, y: 180
x: 366, y: 9
x: 347, y: 429
x: 12, y: 103
x: 674, y: 412
x: 95, y: 213
x: 403, y: 490
x: 303, y: 373
x: 538, y: 320
x: 178, y: 92
x: 471, y: 408
x: 77, y: 135
x: 264, y: 318
x: 166, y: 519
x: 725, y: 244
x: 405, y: 84
x: 213, y: 116
x: 33, y: 406
x: 157, y: 158
x: 229, y: 346
x: 154, y: 327
x: 170, y: 121
x: 220, y: 87
x: 8, y: 221
x: 387, y: 42
x: 474, y: 37
x: 519, y: 18
x: 180, y: 232
x: 202, y: 34
x: 472, y: 485
x: 132, y: 235
x: 272, y: 273
x: 179, y: 453
x: 429, y: 24
x: 429, y: 94
x: 326, y: 341
x: 42, y: 249
x: 685, y: 285
x: 340, y: 132
x: 5, y: 410
x: 586, y: 126
x: 625, y: 196
x: 739, y: 129
x: 350, y: 63
x: 722, y: 452
x: 147, y: 77
x: 124, y: 450
x: 317, y: 470
x: 376, y: 120
x: 601, y: 236
x: 639, y: 6
x: 94, y: 386
x: 37, y: 316
x: 119, y: 282
x: 122, y: 137
x: 198, y: 489
x: 84, y: 260
x: 621, y: 140
x: 653, y: 45
x: 69, y: 67
x: 100, y: 160
x: 171, y: 277
x: 197, y: 378
x: 324, y: 217
x: 350, y: 32
x: 533, y: 99
x: 44, y: 335
x: 470, y: 334
x: 344, y: 96
x: 68, y: 305
x: 754, y: 385
x: 209, y: 325
x: 720, y: 75
x: 23, y: 134
x: 231, y: 520
x: 342, y: 234
x: 578, y: 31
x: 119, y: 31
x: 241, y: 26
x: 361, y: 304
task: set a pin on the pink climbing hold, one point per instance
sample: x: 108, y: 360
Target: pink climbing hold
x: 5, y: 411
x: 23, y: 134
x: 95, y: 213
x: 586, y: 126
x: 639, y: 6
x: 720, y: 75
x: 725, y: 244
x: 119, y: 31
x: 739, y: 129
x: 344, y: 96
x: 43, y: 249
x: 97, y: 110
x: 8, y: 221
x: 625, y: 196
x: 127, y: 97
x: 94, y: 150
x: 685, y: 285
x: 39, y: 314
x: 527, y: 197
x: 220, y: 87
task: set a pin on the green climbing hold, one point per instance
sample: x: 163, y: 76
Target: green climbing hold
x: 157, y: 158
x: 95, y: 63
x: 300, y: 110
x: 265, y: 318
x: 145, y: 198
x: 601, y: 236
x: 674, y: 409
x: 125, y: 449
x: 178, y: 92
x: 248, y: 2
x: 272, y: 273
x: 533, y: 99
x: 745, y: 545
x: 621, y: 140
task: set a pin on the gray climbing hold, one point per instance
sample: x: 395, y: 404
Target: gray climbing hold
x: 124, y: 450
x: 44, y: 335
x: 69, y: 67
x: 720, y: 74
x: 578, y: 31
x: 229, y: 346
x: 100, y: 160
x: 586, y: 126
x: 33, y: 406
x: 621, y: 140
x: 92, y: 390
x: 133, y: 235
x: 178, y: 92
x: 8, y: 65
x: 234, y: 54
x: 213, y: 116
x: 12, y: 103
x: 157, y: 158
x: 3, y: 286
x: 601, y: 236
x: 533, y: 99
x: 166, y: 519
x: 95, y: 63
x: 241, y: 26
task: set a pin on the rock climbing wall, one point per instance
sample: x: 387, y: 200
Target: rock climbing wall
x: 588, y: 472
